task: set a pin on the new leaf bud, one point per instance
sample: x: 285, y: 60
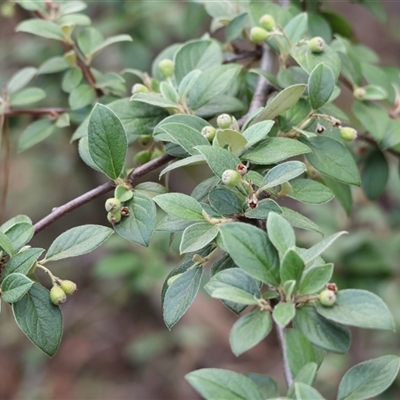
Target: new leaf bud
x: 57, y: 295
x: 139, y: 88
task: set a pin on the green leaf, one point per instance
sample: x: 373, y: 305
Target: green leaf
x: 14, y: 287
x: 292, y: 266
x: 151, y: 189
x: 320, y: 85
x: 39, y: 319
x: 298, y: 220
x: 235, y: 27
x: 300, y: 351
x: 313, y: 252
x: 281, y: 102
x: 27, y: 96
x: 196, y: 55
x: 309, y: 60
x: 235, y: 295
x: 225, y: 201
x: 6, y: 244
x: 296, y: 28
x: 341, y: 191
x: 211, y: 83
x: 40, y: 27
x: 155, y: 100
x: 180, y: 205
x: 192, y: 160
x: 22, y: 262
x: 280, y: 233
x: 274, y: 150
x: 84, y: 153
x: 266, y: 385
x: 257, y: 132
x: 19, y: 234
x: 139, y: 225
x: 226, y: 274
x: 122, y: 193
x: 187, y: 82
x: 173, y: 224
x: 185, y: 136
x: 20, y: 79
x: 54, y: 64
x: 77, y: 241
x: 107, y: 141
x: 249, y: 330
x: 252, y: 251
x: 309, y: 191
x: 235, y: 141
x: 375, y: 174
x: 111, y: 40
x: 196, y: 236
x: 81, y: 96
x: 369, y: 378
x: 180, y: 295
x: 71, y: 79
x: 322, y: 332
x: 359, y: 308
x: 306, y: 375
x: 72, y: 7
x: 88, y: 39
x: 169, y: 92
x: 374, y: 92
x: 218, y: 159
x: 306, y: 392
x: 314, y: 279
x: 35, y: 133
x: 282, y: 173
x: 263, y: 208
x: 333, y: 159
x: 283, y: 313
x: 213, y: 383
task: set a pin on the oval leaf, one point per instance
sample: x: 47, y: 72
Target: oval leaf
x: 320, y: 85
x: 14, y: 287
x: 77, y: 241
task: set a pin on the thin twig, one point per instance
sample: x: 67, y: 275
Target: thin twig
x: 282, y: 344
x: 368, y: 139
x: 263, y: 86
x: 36, y: 111
x: 97, y: 192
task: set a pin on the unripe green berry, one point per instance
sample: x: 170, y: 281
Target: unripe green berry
x: 209, y: 132
x: 157, y: 153
x: 173, y: 278
x: 267, y: 21
x: 224, y: 121
x: 113, y: 205
x: 258, y: 34
x: 166, y: 67
x: 348, y: 133
x: 142, y: 157
x: 114, y: 218
x: 68, y: 287
x: 139, y: 88
x: 327, y: 298
x: 7, y: 10
x: 359, y: 93
x: 144, y: 140
x: 231, y: 177
x: 316, y: 44
x: 57, y: 295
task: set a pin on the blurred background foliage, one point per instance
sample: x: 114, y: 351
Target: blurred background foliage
x: 115, y: 344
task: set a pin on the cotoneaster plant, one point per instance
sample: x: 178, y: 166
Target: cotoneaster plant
x: 285, y: 141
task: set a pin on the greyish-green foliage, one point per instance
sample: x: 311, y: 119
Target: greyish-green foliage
x: 291, y: 144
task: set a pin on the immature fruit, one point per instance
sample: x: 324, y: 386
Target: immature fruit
x: 327, y: 298
x: 348, y: 133
x: 113, y: 205
x: 359, y: 93
x: 7, y: 10
x: 139, y: 88
x: 166, y: 67
x: 258, y: 34
x: 267, y: 22
x: 316, y: 44
x: 114, y: 218
x: 68, y: 287
x: 57, y: 295
x: 209, y: 133
x: 231, y: 177
x: 224, y: 121
x: 142, y: 157
x: 144, y: 140
x: 156, y: 153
